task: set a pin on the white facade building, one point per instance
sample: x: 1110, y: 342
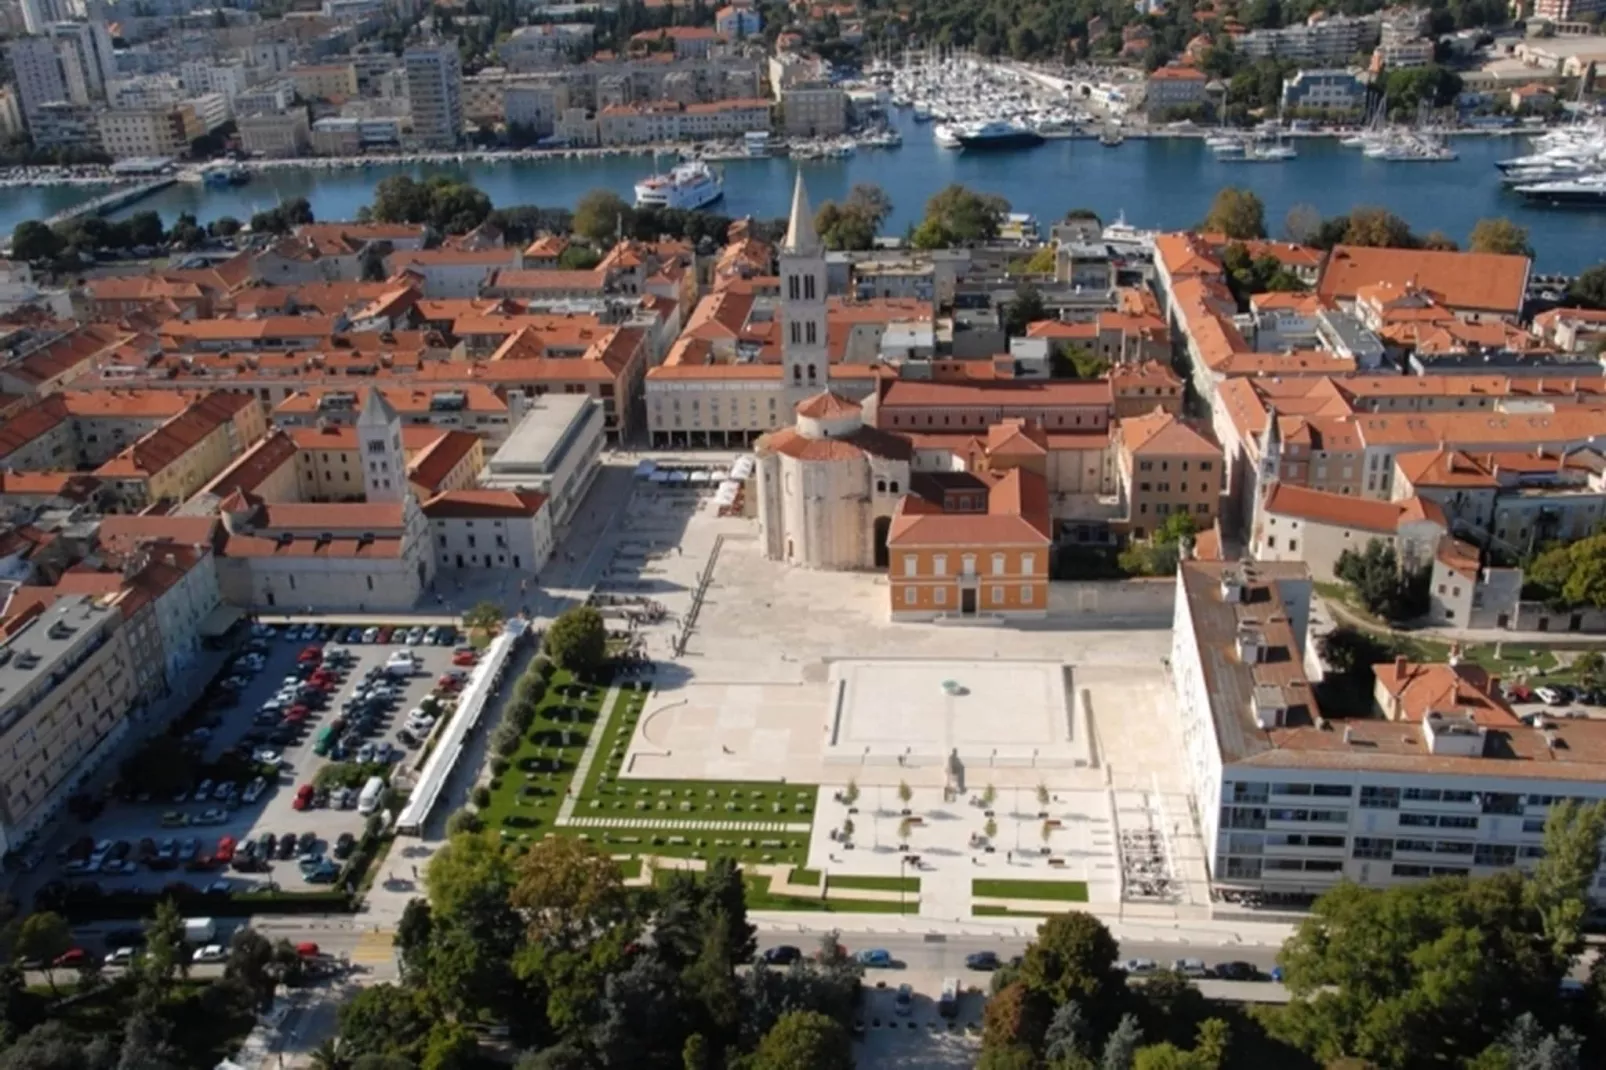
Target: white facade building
x: 37, y: 72
x: 490, y: 529
x: 1442, y: 781
x: 553, y: 450
x: 435, y: 94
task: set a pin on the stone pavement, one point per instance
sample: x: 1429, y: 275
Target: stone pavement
x: 694, y: 825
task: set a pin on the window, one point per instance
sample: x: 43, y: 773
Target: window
x: 910, y: 596
x: 809, y: 330
x: 1025, y: 594
x: 939, y: 565
x: 792, y: 288
x: 808, y: 287
x: 967, y: 565
x: 911, y: 565
x: 998, y: 564
x: 940, y: 596
x: 1028, y: 563
x: 998, y: 596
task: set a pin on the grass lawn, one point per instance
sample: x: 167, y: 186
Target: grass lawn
x: 526, y: 798
x: 810, y: 877
x: 759, y: 897
x: 629, y: 868
x: 982, y: 910
x: 878, y: 884
x: 1062, y: 891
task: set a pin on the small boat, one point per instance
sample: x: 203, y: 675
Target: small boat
x: 1111, y: 138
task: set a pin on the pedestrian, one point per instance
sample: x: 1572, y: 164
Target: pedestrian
x: 415, y: 868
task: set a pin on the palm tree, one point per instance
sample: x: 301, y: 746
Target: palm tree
x: 327, y: 1056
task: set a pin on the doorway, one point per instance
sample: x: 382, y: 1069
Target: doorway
x: 883, y: 524
x: 967, y: 602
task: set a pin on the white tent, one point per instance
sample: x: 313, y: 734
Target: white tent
x: 646, y: 468
x: 743, y: 467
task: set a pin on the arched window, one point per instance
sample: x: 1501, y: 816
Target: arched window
x: 811, y: 373
x: 881, y: 486
x: 892, y: 487
x: 797, y: 373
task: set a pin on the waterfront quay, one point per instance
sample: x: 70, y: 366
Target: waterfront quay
x: 1160, y: 182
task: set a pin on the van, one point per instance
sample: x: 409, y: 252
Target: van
x: 323, y: 740
x: 948, y: 1002
x: 372, y: 791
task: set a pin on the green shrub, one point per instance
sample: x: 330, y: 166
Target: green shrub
x: 505, y: 740
x: 482, y: 796
x: 464, y: 821
x: 500, y: 765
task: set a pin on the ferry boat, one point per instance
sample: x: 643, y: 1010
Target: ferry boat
x: 688, y: 187
x: 997, y: 134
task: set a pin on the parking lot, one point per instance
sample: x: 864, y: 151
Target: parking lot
x: 292, y: 696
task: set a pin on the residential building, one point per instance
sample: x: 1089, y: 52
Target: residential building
x: 1474, y: 286
x: 37, y: 74
x: 79, y: 48
x: 68, y: 681
x: 324, y: 81
x: 1316, y: 527
x: 434, y: 94
x: 1319, y: 39
x: 148, y: 132
x: 1324, y: 90
x: 277, y: 135
x: 1166, y: 467
x: 542, y: 47
x: 1443, y: 781
x: 270, y: 98
x: 812, y: 110
x: 534, y: 108
x: 687, y: 42
x: 1173, y: 88
x: 736, y: 21
x: 60, y: 125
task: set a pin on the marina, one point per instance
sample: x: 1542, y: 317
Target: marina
x: 1164, y: 182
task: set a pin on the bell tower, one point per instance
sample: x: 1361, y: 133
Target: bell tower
x: 379, y: 440
x: 805, y: 355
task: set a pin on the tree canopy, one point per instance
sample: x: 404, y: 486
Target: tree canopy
x: 1569, y: 575
x: 578, y: 640
x: 600, y: 215
x: 1499, y: 235
x: 854, y: 223
x: 1385, y: 587
x: 1237, y: 213
x: 447, y: 205
x: 956, y: 215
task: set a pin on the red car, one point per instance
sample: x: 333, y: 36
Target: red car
x: 466, y: 657
x: 73, y: 956
x: 385, y: 634
x: 296, y: 714
x: 303, y: 797
x: 225, y: 850
x: 307, y: 950
x: 448, y: 682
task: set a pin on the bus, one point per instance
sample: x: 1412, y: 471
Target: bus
x: 323, y: 740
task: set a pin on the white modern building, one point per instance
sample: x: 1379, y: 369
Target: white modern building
x: 1440, y: 779
x: 552, y: 451
x: 36, y: 71
x: 435, y: 94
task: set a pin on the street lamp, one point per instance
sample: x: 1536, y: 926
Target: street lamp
x: 903, y: 860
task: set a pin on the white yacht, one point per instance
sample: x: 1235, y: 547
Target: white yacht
x: 687, y: 186
x: 946, y: 136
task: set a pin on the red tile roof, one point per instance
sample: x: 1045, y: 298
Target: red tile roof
x: 474, y: 504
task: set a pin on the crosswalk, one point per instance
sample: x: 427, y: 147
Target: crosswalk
x: 374, y: 947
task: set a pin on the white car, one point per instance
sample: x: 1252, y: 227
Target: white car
x: 211, y: 953
x: 371, y: 635
x: 263, y: 631
x: 253, y: 791
x: 1139, y: 966
x: 1191, y: 967
x: 266, y: 756
x: 123, y: 956
x: 1548, y: 695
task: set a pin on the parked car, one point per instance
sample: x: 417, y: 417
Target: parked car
x: 784, y: 955
x: 303, y: 798
x: 1237, y: 971
x: 1139, y: 966
x: 346, y: 844
x: 1191, y: 967
x: 874, y: 957
x: 982, y: 960
x: 211, y: 953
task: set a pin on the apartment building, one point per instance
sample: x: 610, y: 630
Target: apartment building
x: 144, y: 132
x: 435, y: 94
x: 1324, y: 90
x: 537, y: 48
x: 1320, y: 39
x: 324, y: 81
x: 1316, y: 527
x: 67, y: 679
x: 490, y: 529
x: 1174, y: 87
x: 1441, y: 780
x: 665, y: 120
x: 1165, y: 467
x: 37, y: 73
x: 812, y: 110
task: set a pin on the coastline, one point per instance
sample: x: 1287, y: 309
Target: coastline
x: 41, y: 177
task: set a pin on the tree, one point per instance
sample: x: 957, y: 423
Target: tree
x: 251, y: 962
x: 1121, y: 1047
x: 1588, y: 289
x: 1561, y: 878
x: 1384, y: 588
x: 165, y: 953
x: 601, y: 215
x: 853, y: 223
x: 1570, y: 575
x: 484, y: 617
x: 32, y: 241
x: 1073, y: 957
x: 905, y: 792
x: 385, y: 1019
x: 450, y: 1046
x: 1067, y: 1034
x: 805, y: 1040
x: 224, y: 227
x: 579, y: 258
x: 1590, y: 668
x: 1237, y: 213
x: 1378, y: 227
x: 186, y: 233
x: 1302, y: 224
x: 464, y: 865
x: 569, y: 891
x: 956, y: 215
x: 44, y: 937
x: 578, y: 640
x: 1025, y: 308
x: 1500, y: 235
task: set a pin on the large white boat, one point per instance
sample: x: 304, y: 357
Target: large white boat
x: 946, y: 136
x: 998, y: 134
x: 687, y: 186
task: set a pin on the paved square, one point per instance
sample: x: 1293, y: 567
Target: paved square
x: 920, y: 711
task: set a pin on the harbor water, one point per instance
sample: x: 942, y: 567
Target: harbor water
x: 1158, y: 182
